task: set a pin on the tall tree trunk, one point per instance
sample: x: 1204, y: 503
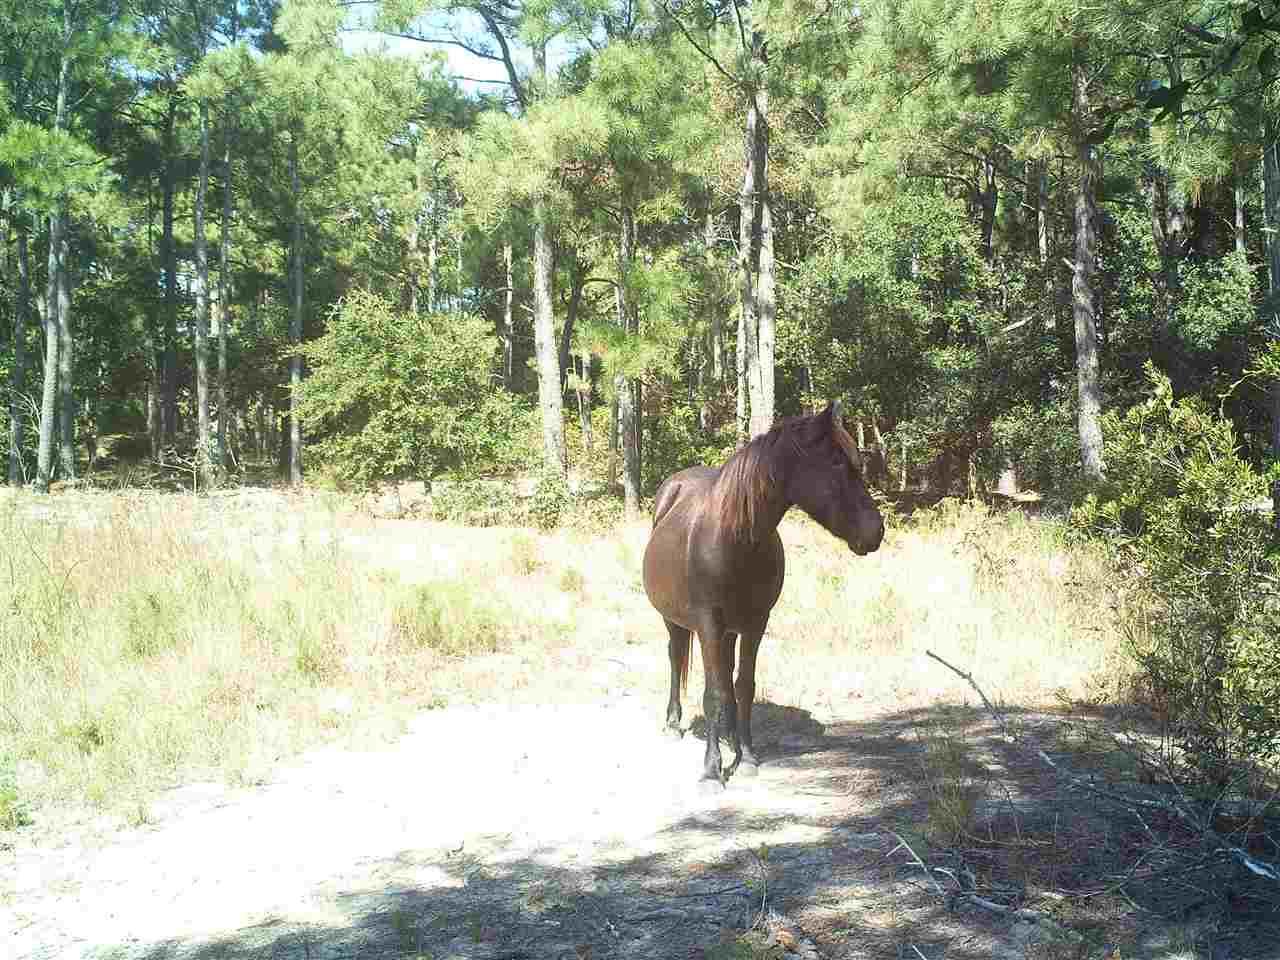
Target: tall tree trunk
x: 57, y: 254
x: 1238, y: 194
x: 433, y: 257
x: 66, y: 360
x: 508, y: 318
x: 1271, y: 220
x: 628, y: 414
x: 224, y: 301
x: 204, y: 444
x: 766, y: 296
x: 415, y: 232
x: 49, y: 394
x: 1088, y: 381
x: 169, y: 322
x: 544, y: 324
x: 295, y: 320
x: 748, y: 264
x: 565, y: 361
x: 1042, y: 244
x: 584, y: 400
x: 988, y: 197
x: 544, y: 341
x: 17, y: 376
x: 715, y: 320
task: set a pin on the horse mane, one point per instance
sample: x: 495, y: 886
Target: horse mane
x: 749, y: 476
x: 746, y: 480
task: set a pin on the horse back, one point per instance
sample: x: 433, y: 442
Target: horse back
x: 688, y: 482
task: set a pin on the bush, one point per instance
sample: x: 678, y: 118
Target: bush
x: 395, y: 395
x: 1178, y: 508
x: 551, y: 500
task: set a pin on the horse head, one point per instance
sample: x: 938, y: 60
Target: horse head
x: 828, y: 483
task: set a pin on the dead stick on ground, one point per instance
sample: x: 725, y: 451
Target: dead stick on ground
x: 1255, y: 866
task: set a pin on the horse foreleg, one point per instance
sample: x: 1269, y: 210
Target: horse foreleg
x: 746, y: 763
x: 718, y: 707
x: 678, y: 650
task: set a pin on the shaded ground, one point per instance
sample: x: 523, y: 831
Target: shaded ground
x: 572, y: 831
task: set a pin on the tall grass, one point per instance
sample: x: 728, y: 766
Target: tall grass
x: 144, y: 641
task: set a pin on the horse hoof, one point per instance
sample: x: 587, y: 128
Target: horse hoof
x: 710, y: 788
x: 747, y: 769
x: 672, y: 733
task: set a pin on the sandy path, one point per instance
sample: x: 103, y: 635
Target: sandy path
x: 403, y: 850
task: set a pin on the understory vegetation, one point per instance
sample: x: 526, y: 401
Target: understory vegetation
x: 192, y: 637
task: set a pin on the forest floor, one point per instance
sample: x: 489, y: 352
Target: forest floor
x: 538, y: 811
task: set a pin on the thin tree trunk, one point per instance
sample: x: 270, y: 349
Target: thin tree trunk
x: 295, y: 320
x: 415, y: 231
x: 544, y: 339
x: 1271, y: 220
x: 57, y: 252
x: 49, y: 395
x: 169, y: 336
x: 748, y: 262
x: 17, y: 376
x: 66, y: 361
x: 204, y: 445
x: 544, y: 325
x: 628, y: 414
x: 570, y: 322
x: 508, y: 318
x: 766, y: 297
x: 584, y: 401
x: 988, y: 198
x: 741, y: 413
x: 1042, y: 243
x: 715, y: 320
x: 433, y: 256
x: 1239, y: 204
x: 224, y: 301
x: 1088, y: 381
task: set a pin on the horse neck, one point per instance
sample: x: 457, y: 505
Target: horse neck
x: 770, y: 508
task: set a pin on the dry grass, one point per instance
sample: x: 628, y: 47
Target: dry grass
x: 149, y: 639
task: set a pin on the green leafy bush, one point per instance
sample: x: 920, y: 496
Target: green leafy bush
x: 486, y: 503
x: 1041, y: 441
x: 551, y: 499
x: 1179, y: 507
x: 395, y: 395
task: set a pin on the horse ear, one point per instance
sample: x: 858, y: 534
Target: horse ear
x: 842, y: 438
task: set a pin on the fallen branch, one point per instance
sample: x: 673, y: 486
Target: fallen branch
x: 1254, y: 865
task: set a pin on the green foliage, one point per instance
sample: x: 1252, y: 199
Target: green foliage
x: 676, y: 440
x: 1179, y: 507
x: 1217, y: 302
x: 395, y: 395
x: 551, y: 499
x: 1040, y: 440
x: 478, y: 504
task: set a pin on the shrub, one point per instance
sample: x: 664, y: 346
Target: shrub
x: 407, y: 395
x: 1178, y: 509
x: 477, y: 504
x: 551, y: 500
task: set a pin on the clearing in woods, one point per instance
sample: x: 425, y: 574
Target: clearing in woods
x: 536, y: 810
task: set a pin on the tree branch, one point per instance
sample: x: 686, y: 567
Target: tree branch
x: 707, y: 54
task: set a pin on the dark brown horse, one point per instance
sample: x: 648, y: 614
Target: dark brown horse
x: 714, y: 564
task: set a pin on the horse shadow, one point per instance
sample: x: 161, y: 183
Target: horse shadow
x: 779, y: 730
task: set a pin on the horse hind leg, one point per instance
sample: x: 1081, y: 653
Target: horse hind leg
x: 678, y: 651
x: 746, y: 763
